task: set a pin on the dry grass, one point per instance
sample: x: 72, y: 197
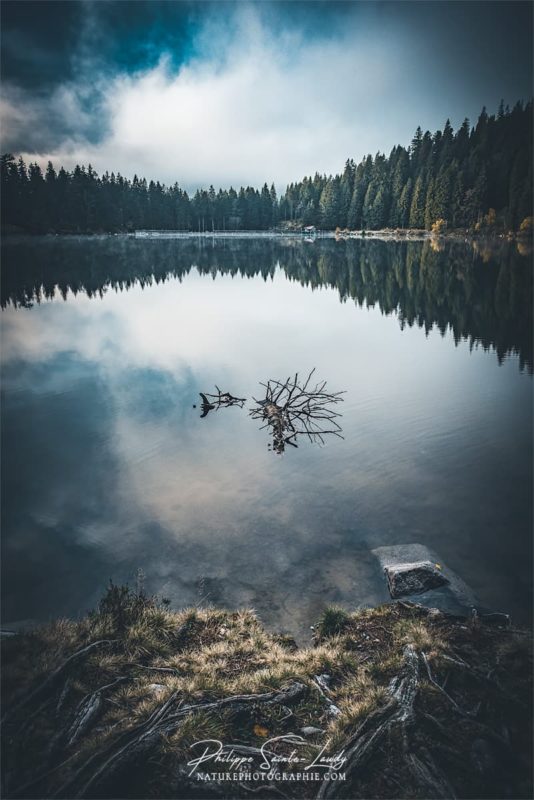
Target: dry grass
x: 209, y: 654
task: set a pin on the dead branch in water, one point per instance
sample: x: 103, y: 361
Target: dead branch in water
x: 291, y: 409
x: 212, y: 402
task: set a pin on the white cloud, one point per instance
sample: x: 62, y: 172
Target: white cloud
x: 254, y: 108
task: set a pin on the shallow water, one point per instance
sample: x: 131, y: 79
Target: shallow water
x: 108, y: 468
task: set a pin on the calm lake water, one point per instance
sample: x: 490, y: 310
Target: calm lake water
x: 108, y: 467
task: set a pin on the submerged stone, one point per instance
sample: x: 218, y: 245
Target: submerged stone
x: 441, y: 589
x: 413, y: 578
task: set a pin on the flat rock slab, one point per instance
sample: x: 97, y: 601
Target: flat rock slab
x: 415, y: 577
x: 434, y: 586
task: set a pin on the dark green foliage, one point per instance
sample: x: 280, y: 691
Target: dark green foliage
x: 457, y: 177
x: 417, y: 207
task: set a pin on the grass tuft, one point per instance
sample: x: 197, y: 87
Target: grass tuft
x: 334, y: 620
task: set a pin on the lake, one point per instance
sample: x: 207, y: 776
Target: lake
x: 108, y: 466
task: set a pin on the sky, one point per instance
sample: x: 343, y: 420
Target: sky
x: 239, y: 93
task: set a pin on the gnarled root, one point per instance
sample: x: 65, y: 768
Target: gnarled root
x: 50, y: 683
x: 398, y: 713
x: 101, y: 768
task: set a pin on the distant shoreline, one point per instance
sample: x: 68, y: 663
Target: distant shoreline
x: 385, y: 234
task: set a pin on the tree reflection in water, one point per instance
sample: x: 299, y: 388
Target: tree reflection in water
x: 481, y: 291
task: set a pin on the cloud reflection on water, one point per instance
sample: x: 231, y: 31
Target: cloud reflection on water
x: 129, y: 473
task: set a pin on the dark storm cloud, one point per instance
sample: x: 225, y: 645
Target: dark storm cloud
x: 56, y: 57
x: 37, y: 42
x: 310, y: 82
x: 43, y: 42
x: 476, y: 49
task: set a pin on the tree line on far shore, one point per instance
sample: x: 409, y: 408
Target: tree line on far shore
x: 477, y: 178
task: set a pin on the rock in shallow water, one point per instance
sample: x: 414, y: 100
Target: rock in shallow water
x: 413, y: 578
x: 456, y: 597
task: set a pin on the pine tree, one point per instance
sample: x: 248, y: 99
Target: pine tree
x: 329, y: 204
x: 345, y: 193
x: 430, y: 204
x: 404, y: 205
x: 417, y: 208
x: 274, y: 206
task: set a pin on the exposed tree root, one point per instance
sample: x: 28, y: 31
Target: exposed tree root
x: 398, y: 713
x: 137, y: 743
x: 442, y: 729
x: 462, y: 711
x: 168, y: 670
x: 87, y: 711
x: 488, y: 680
x: 50, y: 683
x: 332, y: 709
x: 427, y: 773
x: 398, y: 716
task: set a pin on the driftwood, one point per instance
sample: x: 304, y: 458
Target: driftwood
x: 291, y: 409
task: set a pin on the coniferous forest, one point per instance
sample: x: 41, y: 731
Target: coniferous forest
x: 477, y: 178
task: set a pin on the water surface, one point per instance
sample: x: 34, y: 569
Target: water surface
x: 107, y: 467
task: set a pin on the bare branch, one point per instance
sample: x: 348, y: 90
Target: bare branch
x: 290, y: 409
x: 212, y: 402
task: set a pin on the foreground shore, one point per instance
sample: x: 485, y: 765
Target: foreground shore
x: 139, y: 701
